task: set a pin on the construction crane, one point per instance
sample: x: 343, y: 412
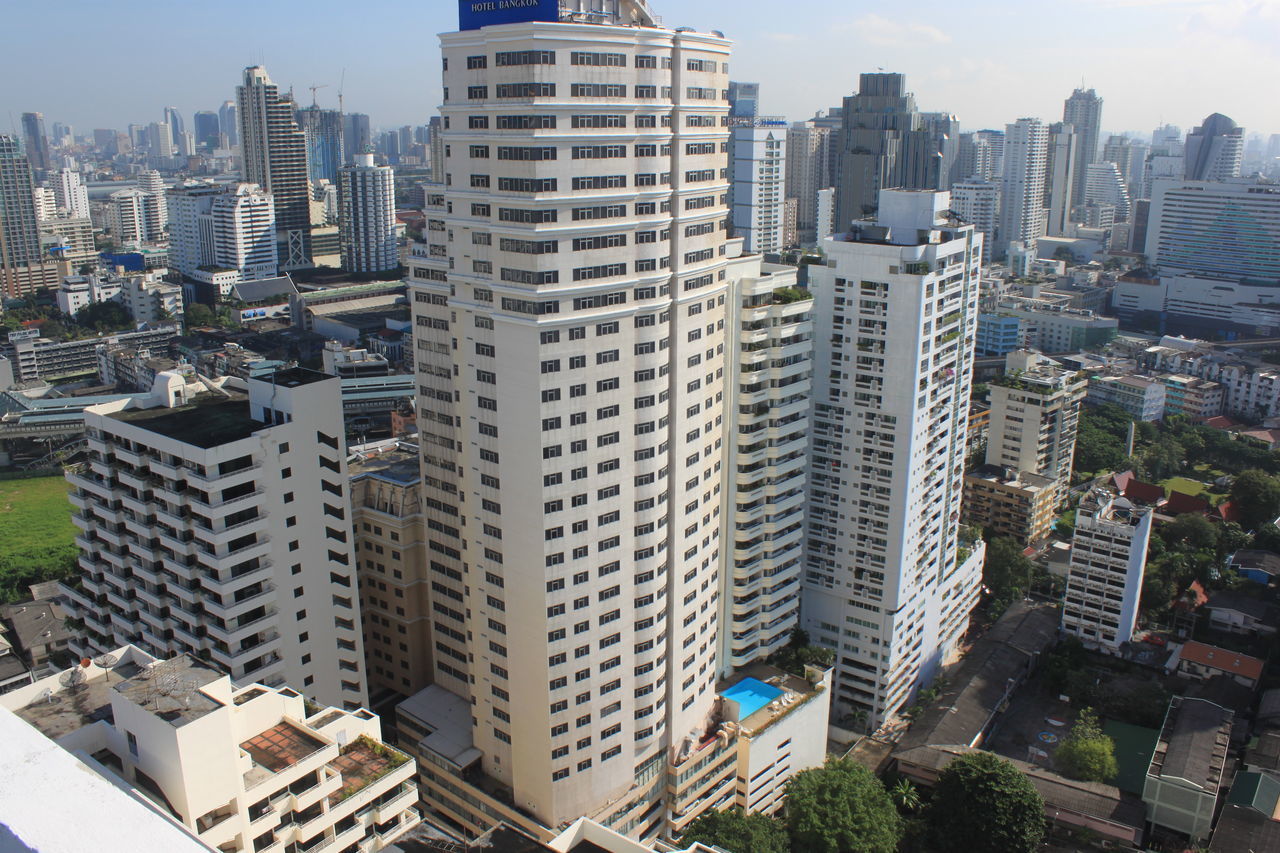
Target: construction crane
x: 313, y: 91
x: 341, y: 85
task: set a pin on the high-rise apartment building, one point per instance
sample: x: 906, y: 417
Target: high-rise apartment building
x: 19, y: 225
x: 1060, y: 166
x: 980, y: 155
x: 324, y: 133
x: 808, y: 158
x: 1105, y: 185
x: 368, y: 220
x: 160, y: 142
x: 1026, y: 150
x: 886, y: 583
x: 229, y: 122
x: 69, y: 193
x: 221, y: 529
x: 580, y: 273
x: 978, y: 202
x: 150, y: 182
x: 37, y: 142
x: 1104, y: 579
x: 744, y: 99
x: 758, y: 171
x: 274, y: 151
x: 357, y: 136
x: 1214, y: 150
x: 1083, y: 111
x: 207, y: 129
x: 883, y: 143
x: 943, y: 132
x: 133, y: 217
x: 214, y: 228
x: 46, y: 205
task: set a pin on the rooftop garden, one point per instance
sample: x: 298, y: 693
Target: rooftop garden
x: 787, y: 295
x: 363, y: 762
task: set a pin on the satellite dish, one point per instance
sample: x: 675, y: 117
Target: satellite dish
x: 105, y: 661
x: 72, y: 677
x: 46, y: 695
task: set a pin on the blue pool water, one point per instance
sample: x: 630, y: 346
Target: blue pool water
x: 751, y: 694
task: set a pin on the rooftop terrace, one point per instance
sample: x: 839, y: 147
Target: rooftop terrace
x: 278, y: 748
x: 208, y: 422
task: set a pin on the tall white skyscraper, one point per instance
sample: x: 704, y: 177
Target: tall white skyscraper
x: 274, y: 151
x: 150, y: 182
x: 70, y: 195
x: 1026, y: 147
x: 224, y: 227
x: 132, y: 217
x: 758, y: 156
x: 1105, y: 185
x: 1214, y: 150
x: 160, y: 140
x: 368, y: 219
x: 577, y: 283
x: 886, y: 582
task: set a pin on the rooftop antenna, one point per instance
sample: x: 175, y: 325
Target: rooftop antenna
x: 341, y: 84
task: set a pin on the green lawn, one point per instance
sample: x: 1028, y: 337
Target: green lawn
x: 1191, y: 487
x: 36, y: 534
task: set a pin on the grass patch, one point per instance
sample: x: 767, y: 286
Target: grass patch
x: 1188, y: 486
x: 37, y: 538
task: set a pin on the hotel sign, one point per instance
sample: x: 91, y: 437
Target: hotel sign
x: 474, y: 14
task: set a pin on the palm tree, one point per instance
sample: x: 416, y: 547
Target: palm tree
x: 905, y: 796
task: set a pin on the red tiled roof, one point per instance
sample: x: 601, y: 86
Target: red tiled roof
x: 1221, y: 422
x: 1228, y: 512
x: 1221, y: 659
x: 1180, y: 502
x: 1148, y: 493
x: 1122, y: 479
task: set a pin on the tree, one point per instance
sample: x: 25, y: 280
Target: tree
x: 104, y: 317
x: 736, y: 832
x: 1267, y: 537
x: 840, y: 808
x: 1005, y: 572
x: 1162, y: 460
x: 1087, y: 754
x: 983, y: 804
x: 199, y: 314
x: 1256, y: 496
x: 1191, y: 531
x: 905, y: 796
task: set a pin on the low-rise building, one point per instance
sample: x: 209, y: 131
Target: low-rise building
x: 1104, y: 581
x: 241, y: 766
x: 1187, y: 772
x: 1051, y: 327
x: 1193, y: 398
x: 1199, y: 661
x: 34, y: 357
x: 1012, y: 503
x: 998, y: 334
x: 1139, y: 396
x: 353, y: 362
x: 1238, y: 613
x: 36, y: 628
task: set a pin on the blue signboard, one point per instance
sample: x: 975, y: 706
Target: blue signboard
x: 474, y: 14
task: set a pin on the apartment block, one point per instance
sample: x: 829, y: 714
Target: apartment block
x: 1250, y: 389
x: 241, y: 766
x: 222, y: 529
x: 1018, y: 504
x: 1104, y: 579
x: 392, y: 567
x: 895, y: 316
x: 769, y: 438
x: 758, y: 156
x: 1193, y: 398
x: 34, y: 357
x: 1139, y: 396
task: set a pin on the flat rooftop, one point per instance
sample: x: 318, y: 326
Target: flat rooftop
x: 278, y: 748
x: 294, y: 377
x: 74, y: 704
x: 1195, y: 742
x: 764, y: 693
x: 208, y: 422
x: 171, y: 689
x: 400, y: 465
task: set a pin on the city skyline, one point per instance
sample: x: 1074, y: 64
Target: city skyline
x: 1144, y: 83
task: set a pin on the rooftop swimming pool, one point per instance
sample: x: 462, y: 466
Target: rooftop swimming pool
x: 751, y: 694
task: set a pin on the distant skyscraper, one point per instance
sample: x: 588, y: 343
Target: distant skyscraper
x: 368, y: 222
x: 1060, y: 175
x: 757, y: 160
x: 1083, y: 111
x: 1026, y: 143
x: 980, y: 156
x: 69, y: 194
x: 36, y: 141
x: 356, y: 133
x: 885, y: 580
x: 173, y: 118
x: 324, y: 132
x: 160, y: 140
x: 230, y: 227
x: 1214, y: 150
x: 274, y: 151
x: 436, y: 144
x: 19, y: 229
x: 978, y: 203
x: 1118, y: 150
x: 744, y: 99
x: 229, y: 123
x: 208, y: 129
x: 149, y: 181
x: 807, y: 173
x: 943, y: 130
x: 884, y: 143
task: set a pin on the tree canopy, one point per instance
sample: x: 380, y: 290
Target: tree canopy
x: 1005, y: 572
x: 1087, y: 754
x: 736, y: 832
x: 983, y: 804
x: 840, y: 808
x: 1256, y: 496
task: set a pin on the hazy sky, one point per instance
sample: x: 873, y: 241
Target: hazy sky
x: 989, y: 61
